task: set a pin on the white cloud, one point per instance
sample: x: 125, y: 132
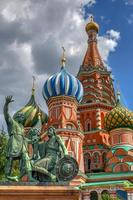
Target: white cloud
x: 130, y: 19
x: 108, y: 43
x: 89, y: 2
x: 17, y: 9
x: 128, y: 2
x: 23, y: 51
x: 113, y: 34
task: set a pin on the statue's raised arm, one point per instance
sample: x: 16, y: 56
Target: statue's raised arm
x: 8, y: 99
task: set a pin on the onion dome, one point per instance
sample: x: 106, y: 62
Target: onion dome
x: 63, y: 83
x: 92, y: 25
x: 118, y: 117
x: 31, y: 111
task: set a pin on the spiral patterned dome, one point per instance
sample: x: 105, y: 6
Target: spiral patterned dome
x: 31, y: 111
x: 63, y: 83
x: 118, y: 117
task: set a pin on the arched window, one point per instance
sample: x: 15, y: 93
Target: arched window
x: 105, y: 194
x: 93, y: 195
x: 88, y: 125
x: 96, y: 157
x: 87, y: 160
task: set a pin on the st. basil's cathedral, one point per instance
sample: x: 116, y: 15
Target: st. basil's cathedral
x: 96, y: 128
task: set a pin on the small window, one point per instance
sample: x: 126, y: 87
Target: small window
x: 87, y: 161
x: 105, y: 194
x: 93, y: 195
x: 88, y: 125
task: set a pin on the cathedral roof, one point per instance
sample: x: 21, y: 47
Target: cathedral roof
x: 63, y: 83
x: 92, y: 25
x: 31, y: 112
x: 94, y: 75
x: 118, y: 117
x: 92, y: 57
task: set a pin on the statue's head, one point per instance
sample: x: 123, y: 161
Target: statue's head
x: 19, y: 117
x: 51, y: 131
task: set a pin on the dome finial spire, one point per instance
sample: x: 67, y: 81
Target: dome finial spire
x: 33, y: 85
x: 63, y: 59
x: 91, y: 18
x: 118, y: 94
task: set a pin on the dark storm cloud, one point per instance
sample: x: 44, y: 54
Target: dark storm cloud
x: 46, y: 56
x: 11, y: 31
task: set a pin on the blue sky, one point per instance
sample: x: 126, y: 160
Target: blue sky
x: 118, y: 15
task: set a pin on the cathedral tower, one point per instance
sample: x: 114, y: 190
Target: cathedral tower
x: 63, y: 92
x: 98, y: 99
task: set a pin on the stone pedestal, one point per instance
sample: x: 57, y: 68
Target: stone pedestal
x: 22, y: 192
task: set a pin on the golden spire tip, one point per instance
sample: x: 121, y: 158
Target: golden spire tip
x: 33, y: 85
x: 63, y: 59
x: 118, y: 91
x: 91, y: 18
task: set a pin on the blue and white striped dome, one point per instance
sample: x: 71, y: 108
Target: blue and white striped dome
x: 63, y: 83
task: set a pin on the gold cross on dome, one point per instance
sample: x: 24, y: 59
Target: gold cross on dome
x: 63, y: 59
x: 91, y: 18
x: 118, y: 91
x: 33, y: 85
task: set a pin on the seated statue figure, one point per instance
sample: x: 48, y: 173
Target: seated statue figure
x: 53, y: 149
x: 17, y: 144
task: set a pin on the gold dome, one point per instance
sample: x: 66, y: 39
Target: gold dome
x: 118, y: 117
x: 32, y: 112
x: 92, y: 25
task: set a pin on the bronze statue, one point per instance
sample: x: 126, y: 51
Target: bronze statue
x: 17, y: 144
x: 52, y: 150
x: 55, y: 163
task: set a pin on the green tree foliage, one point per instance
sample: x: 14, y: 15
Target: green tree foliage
x: 3, y: 146
x: 108, y: 197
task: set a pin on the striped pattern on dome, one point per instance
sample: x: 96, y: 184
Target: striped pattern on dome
x: 118, y: 117
x: 31, y: 111
x: 63, y: 83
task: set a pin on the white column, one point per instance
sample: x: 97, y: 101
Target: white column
x: 98, y: 118
x: 130, y: 196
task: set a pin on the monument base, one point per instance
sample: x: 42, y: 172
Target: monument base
x: 35, y: 192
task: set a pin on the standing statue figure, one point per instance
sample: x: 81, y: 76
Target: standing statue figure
x: 34, y: 136
x: 17, y: 144
x: 53, y: 149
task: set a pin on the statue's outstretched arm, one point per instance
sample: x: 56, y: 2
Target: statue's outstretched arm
x: 64, y: 149
x: 7, y: 116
